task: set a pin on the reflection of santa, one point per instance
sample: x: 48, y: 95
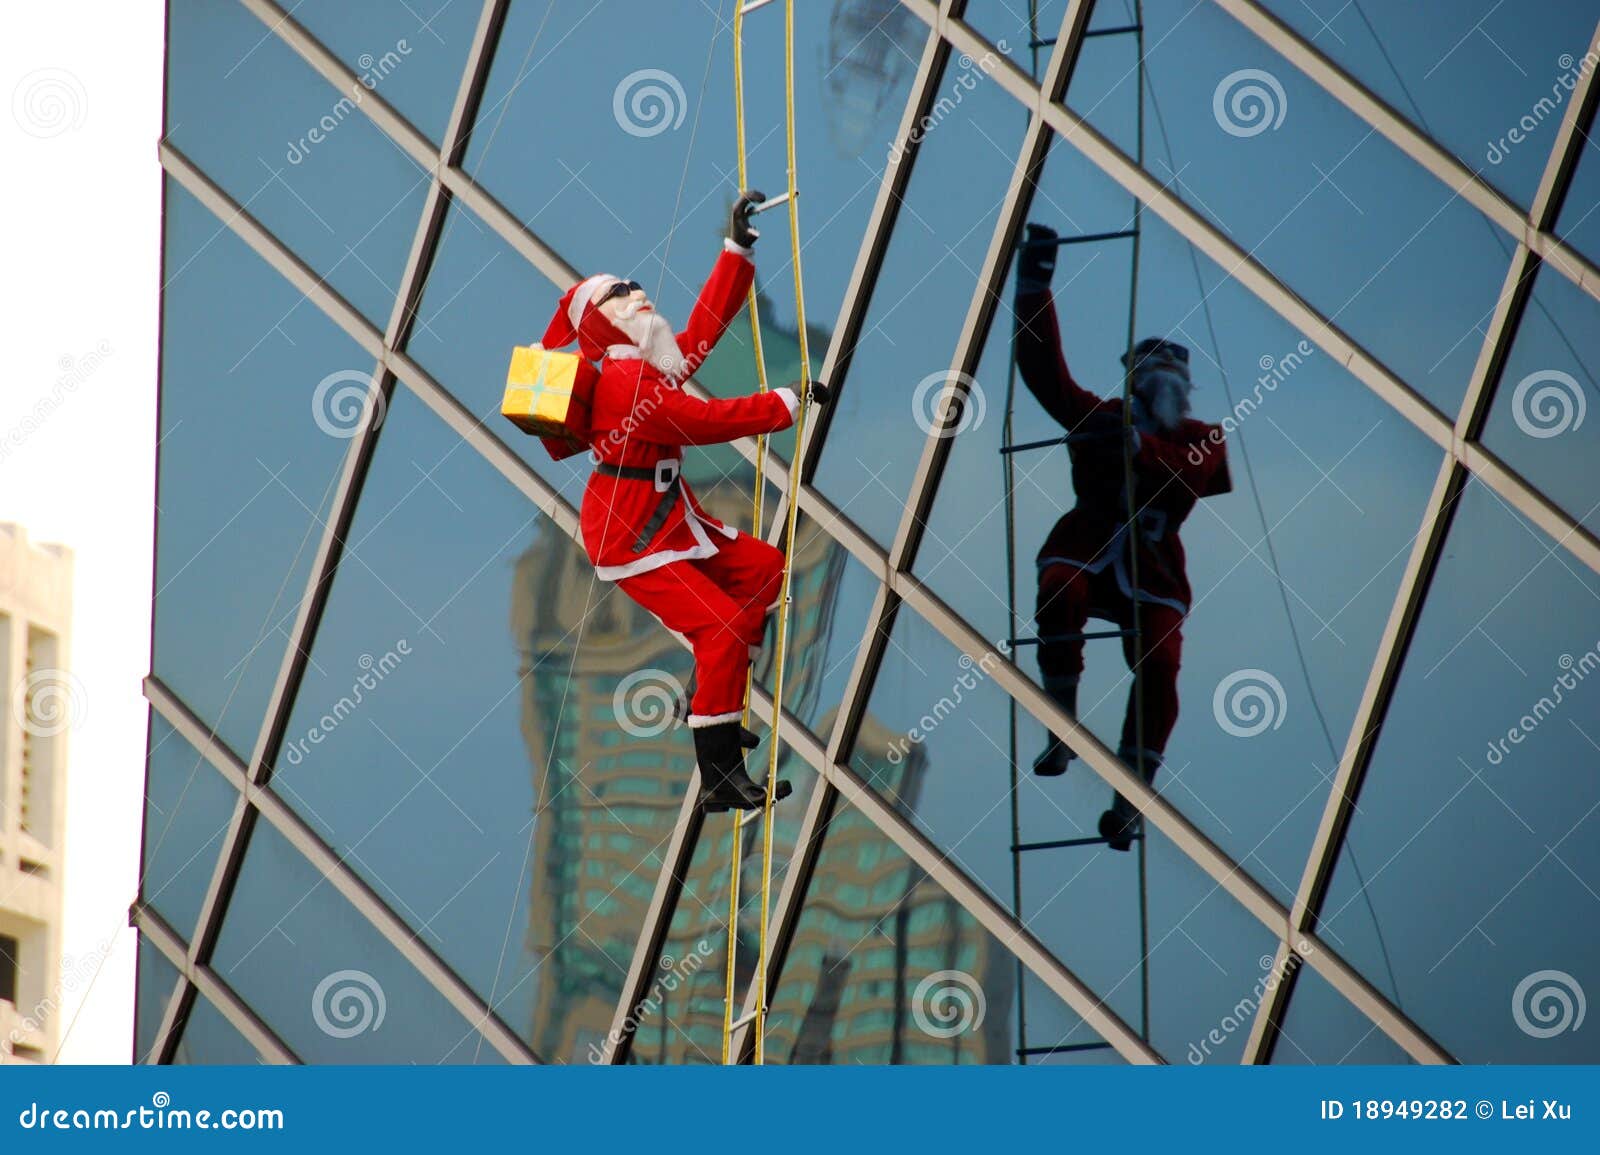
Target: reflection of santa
x: 1087, y: 564
x: 642, y: 526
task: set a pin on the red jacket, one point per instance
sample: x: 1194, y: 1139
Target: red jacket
x: 641, y: 419
x: 1171, y: 471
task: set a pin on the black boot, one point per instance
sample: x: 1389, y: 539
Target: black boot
x: 1053, y: 762
x: 1120, y: 825
x: 719, y: 749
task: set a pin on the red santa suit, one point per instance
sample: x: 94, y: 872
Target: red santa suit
x: 642, y: 526
x: 1086, y: 565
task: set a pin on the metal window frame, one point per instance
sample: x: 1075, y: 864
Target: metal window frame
x: 1464, y: 456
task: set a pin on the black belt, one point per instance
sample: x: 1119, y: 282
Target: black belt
x: 663, y: 509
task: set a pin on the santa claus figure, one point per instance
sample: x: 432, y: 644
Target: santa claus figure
x: 1088, y: 564
x: 642, y: 526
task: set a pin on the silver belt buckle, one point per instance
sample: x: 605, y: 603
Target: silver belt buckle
x: 666, y: 473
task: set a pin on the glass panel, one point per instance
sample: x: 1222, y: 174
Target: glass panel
x: 209, y: 1039
x: 1488, y: 82
x: 1537, y: 423
x: 886, y: 967
x: 1006, y: 25
x: 1283, y: 174
x: 1341, y: 481
x: 1579, y: 223
x: 410, y: 54
x: 483, y: 299
x: 932, y: 746
x: 680, y: 1017
x: 188, y: 807
x: 302, y: 158
x: 1324, y: 1028
x: 156, y: 980
x: 929, y: 273
x: 462, y: 694
x: 1465, y: 889
x: 323, y: 978
x: 255, y: 421
x: 574, y: 178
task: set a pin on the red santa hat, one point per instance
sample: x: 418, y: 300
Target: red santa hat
x: 577, y: 320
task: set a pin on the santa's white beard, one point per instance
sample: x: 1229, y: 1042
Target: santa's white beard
x: 653, y: 334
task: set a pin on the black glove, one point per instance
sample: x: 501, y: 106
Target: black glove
x: 820, y: 393
x: 1036, y: 258
x: 739, y: 230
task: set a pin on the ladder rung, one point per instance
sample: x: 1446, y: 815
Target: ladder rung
x: 752, y: 6
x: 1079, y: 239
x: 1064, y: 439
x: 1085, y: 637
x: 780, y: 199
x: 1062, y: 1049
x: 1119, y: 30
x: 746, y: 1019
x: 1063, y: 843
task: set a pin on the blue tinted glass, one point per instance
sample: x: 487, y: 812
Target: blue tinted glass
x: 1538, y: 422
x: 256, y: 392
x: 1473, y: 846
x: 187, y: 810
x: 208, y: 1039
x: 929, y: 273
x: 680, y: 1016
x: 157, y: 979
x: 1488, y: 81
x: 409, y: 54
x: 887, y: 968
x: 934, y: 745
x: 1579, y: 223
x: 1280, y: 166
x: 301, y: 157
x: 1288, y: 599
x: 323, y: 978
x: 1322, y: 1027
x: 473, y: 689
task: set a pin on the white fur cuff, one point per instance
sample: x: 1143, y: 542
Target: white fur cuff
x: 790, y: 401
x: 696, y: 721
x: 730, y: 246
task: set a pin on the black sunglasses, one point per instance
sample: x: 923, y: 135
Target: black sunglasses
x: 620, y: 289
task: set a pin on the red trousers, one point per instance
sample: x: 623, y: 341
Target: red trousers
x: 1067, y: 596
x: 720, y: 604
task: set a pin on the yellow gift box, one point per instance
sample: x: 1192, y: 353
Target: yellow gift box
x: 539, y: 390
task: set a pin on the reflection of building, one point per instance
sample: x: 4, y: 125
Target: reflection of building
x: 35, y: 607
x: 872, y: 45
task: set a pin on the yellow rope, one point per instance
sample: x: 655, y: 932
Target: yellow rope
x: 791, y: 508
